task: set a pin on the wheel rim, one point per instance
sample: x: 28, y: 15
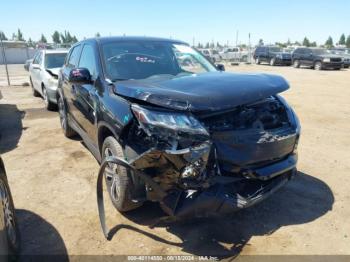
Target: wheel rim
x: 112, y: 177
x: 9, y: 217
x: 272, y: 62
x: 318, y: 66
x: 296, y: 63
x: 45, y: 96
x: 62, y: 114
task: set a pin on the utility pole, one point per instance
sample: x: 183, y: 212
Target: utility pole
x: 237, y: 38
x: 5, y: 62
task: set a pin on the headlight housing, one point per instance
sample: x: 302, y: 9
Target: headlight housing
x: 53, y: 82
x: 326, y: 60
x: 172, y: 123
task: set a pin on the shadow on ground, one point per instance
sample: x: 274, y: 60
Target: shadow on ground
x: 11, y: 127
x: 40, y: 241
x: 302, y: 200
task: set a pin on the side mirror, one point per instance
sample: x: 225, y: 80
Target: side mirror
x: 220, y: 67
x: 79, y: 76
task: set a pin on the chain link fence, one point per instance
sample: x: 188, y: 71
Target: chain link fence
x: 13, y: 55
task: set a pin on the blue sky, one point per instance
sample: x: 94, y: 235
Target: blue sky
x: 204, y: 20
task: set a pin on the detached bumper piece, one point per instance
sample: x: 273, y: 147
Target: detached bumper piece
x: 223, y: 198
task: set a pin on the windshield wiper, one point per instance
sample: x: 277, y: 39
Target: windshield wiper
x: 119, y: 79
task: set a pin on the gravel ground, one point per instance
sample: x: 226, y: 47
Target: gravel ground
x: 53, y: 184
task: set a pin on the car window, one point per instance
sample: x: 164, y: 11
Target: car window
x: 87, y: 59
x: 37, y: 59
x: 54, y: 60
x: 74, y: 56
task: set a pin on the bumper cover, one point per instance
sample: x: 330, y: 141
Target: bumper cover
x: 223, y: 199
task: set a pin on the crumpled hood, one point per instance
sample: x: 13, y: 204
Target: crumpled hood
x: 54, y: 71
x: 203, y: 92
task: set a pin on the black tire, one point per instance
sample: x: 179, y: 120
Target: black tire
x: 318, y: 65
x: 48, y: 104
x: 296, y: 63
x: 11, y: 225
x: 66, y: 128
x: 34, y: 92
x: 272, y: 62
x: 257, y: 61
x: 118, y: 182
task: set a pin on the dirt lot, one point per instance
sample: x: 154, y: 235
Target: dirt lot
x: 53, y: 184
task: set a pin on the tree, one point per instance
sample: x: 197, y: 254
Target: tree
x: 2, y: 36
x: 31, y: 43
x: 313, y: 44
x: 306, y: 42
x: 329, y: 42
x: 43, y: 39
x: 19, y: 35
x: 56, y: 37
x: 261, y: 42
x: 97, y: 34
x: 342, y: 40
x: 207, y: 45
x: 347, y: 43
x: 74, y: 39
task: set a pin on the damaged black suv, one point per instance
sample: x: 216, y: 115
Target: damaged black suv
x: 204, y: 140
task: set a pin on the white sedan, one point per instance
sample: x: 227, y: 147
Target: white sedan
x: 44, y: 72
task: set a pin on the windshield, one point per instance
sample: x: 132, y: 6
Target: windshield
x: 319, y: 51
x: 140, y: 60
x: 54, y: 60
x: 275, y: 49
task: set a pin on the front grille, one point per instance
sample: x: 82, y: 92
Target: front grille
x: 337, y: 60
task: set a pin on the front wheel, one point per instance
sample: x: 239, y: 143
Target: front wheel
x: 318, y: 65
x: 272, y: 62
x: 118, y: 182
x: 296, y: 63
x: 257, y: 61
x: 67, y: 130
x: 34, y: 92
x: 48, y: 104
x: 10, y: 221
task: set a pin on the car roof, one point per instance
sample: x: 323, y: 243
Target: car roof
x: 110, y: 39
x: 55, y: 51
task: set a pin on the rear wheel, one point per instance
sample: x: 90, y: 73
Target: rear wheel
x: 48, y: 104
x: 318, y: 65
x: 67, y: 130
x: 296, y: 63
x: 118, y: 182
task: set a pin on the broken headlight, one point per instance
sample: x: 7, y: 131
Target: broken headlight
x: 172, y: 122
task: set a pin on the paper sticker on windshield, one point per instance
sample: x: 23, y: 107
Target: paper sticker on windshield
x: 145, y: 59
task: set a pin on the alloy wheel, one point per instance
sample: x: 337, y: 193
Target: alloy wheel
x: 112, y: 177
x: 9, y: 217
x: 46, y: 99
x: 62, y: 114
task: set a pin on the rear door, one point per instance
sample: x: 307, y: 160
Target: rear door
x: 69, y: 90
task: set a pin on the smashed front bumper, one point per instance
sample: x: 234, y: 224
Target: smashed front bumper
x: 217, y: 193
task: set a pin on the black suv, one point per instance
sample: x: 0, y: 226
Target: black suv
x: 272, y: 55
x: 195, y: 139
x: 317, y: 58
